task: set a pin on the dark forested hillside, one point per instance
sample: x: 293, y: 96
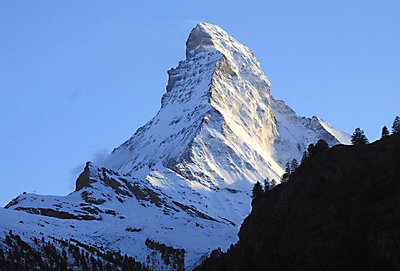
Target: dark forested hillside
x: 61, y: 255
x: 340, y: 210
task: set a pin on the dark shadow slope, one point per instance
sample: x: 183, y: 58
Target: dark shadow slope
x: 340, y: 210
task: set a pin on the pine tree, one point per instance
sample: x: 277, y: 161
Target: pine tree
x: 396, y: 125
x: 385, y: 132
x: 305, y: 156
x: 285, y: 177
x: 287, y: 168
x: 266, y: 184
x: 257, y: 190
x: 321, y: 146
x: 310, y: 150
x: 358, y: 137
x: 293, y: 165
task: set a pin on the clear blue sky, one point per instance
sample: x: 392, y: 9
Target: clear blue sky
x: 78, y: 77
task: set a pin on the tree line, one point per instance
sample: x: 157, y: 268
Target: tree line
x: 68, y: 256
x: 357, y: 138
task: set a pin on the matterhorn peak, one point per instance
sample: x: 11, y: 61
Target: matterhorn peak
x: 218, y: 117
x: 206, y: 37
x: 209, y: 38
x: 220, y: 94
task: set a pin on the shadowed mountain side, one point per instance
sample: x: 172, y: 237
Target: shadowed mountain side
x: 340, y: 210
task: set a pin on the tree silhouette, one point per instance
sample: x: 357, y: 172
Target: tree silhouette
x: 287, y: 168
x: 321, y: 146
x: 20, y: 256
x: 310, y: 150
x: 358, y: 137
x: 257, y: 190
x: 293, y: 165
x: 268, y: 185
x: 396, y: 125
x: 385, y: 132
x: 285, y: 176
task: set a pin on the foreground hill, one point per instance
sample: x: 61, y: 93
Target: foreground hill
x: 340, y: 210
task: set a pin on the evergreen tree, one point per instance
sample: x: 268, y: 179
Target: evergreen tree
x: 266, y: 184
x: 93, y: 263
x: 293, y: 165
x: 310, y: 150
x: 285, y: 177
x: 257, y: 190
x: 273, y: 183
x: 304, y: 158
x: 358, y: 137
x: 385, y: 132
x: 396, y: 125
x: 321, y: 146
x: 287, y: 168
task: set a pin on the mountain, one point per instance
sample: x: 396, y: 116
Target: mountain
x: 338, y: 211
x: 183, y: 180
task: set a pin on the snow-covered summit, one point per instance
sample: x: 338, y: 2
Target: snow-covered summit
x: 207, y: 37
x: 184, y: 178
x: 218, y: 123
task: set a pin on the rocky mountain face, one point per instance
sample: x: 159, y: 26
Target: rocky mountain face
x: 183, y: 181
x: 338, y: 211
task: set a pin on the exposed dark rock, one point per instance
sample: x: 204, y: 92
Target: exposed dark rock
x: 84, y: 178
x: 133, y: 229
x: 13, y: 202
x: 193, y: 212
x: 231, y: 190
x: 114, y: 184
x: 92, y: 210
x: 56, y: 214
x: 110, y: 212
x: 86, y: 196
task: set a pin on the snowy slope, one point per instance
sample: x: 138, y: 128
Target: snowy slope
x: 184, y: 178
